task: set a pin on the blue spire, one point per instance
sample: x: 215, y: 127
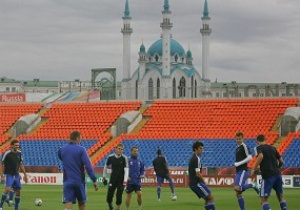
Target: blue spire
x: 205, y: 12
x: 166, y: 6
x: 127, y: 11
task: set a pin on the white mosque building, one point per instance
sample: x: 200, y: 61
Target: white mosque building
x: 165, y: 69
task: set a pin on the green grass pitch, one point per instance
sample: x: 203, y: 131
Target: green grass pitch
x: 187, y: 200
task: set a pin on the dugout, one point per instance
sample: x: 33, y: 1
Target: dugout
x: 290, y: 121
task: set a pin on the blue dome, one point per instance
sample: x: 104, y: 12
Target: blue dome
x: 156, y: 48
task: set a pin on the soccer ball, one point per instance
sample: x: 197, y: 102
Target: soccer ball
x: 38, y: 202
x: 173, y: 197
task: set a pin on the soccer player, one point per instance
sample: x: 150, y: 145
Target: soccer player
x: 162, y: 172
x: 197, y: 183
x: 118, y: 163
x: 12, y: 161
x: 75, y: 161
x: 136, y: 172
x: 242, y: 157
x: 269, y: 161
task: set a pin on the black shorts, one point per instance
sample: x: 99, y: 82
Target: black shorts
x: 133, y: 187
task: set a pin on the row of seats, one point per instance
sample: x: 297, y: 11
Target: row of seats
x: 44, y: 153
x: 291, y: 155
x: 91, y: 119
x: 214, y: 118
x: 217, y: 153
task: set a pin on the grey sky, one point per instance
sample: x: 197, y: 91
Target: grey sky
x: 252, y: 41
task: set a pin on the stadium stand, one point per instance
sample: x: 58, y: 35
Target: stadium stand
x: 91, y: 119
x: 170, y: 125
x: 10, y: 113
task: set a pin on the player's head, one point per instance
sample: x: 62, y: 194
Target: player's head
x: 158, y: 152
x: 75, y: 136
x: 119, y: 149
x: 239, y: 137
x: 15, y: 145
x: 134, y: 151
x: 198, y: 147
x: 260, y: 138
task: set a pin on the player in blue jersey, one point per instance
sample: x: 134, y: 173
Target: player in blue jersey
x: 270, y: 162
x: 12, y: 161
x: 196, y: 181
x: 75, y: 161
x: 136, y: 172
x: 242, y: 157
x: 162, y: 173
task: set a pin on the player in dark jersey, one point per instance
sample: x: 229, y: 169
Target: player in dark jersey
x: 270, y: 162
x: 242, y: 157
x: 12, y: 161
x: 136, y: 172
x: 118, y: 163
x: 196, y: 181
x: 162, y: 172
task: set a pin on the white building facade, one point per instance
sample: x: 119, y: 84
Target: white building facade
x: 165, y: 70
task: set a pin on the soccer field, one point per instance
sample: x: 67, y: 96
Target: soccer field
x: 225, y: 199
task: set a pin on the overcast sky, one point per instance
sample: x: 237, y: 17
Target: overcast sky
x: 251, y: 41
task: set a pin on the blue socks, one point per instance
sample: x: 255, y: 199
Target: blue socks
x: 158, y: 192
x: 11, y: 195
x: 17, y: 201
x: 210, y: 206
x: 266, y: 206
x: 241, y: 203
x: 4, y: 196
x: 283, y: 205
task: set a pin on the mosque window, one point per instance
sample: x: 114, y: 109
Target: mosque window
x: 158, y: 88
x: 156, y: 58
x: 174, y: 88
x: 150, y: 89
x: 195, y: 88
x: 182, y: 87
x: 176, y: 58
x: 192, y: 87
x: 136, y: 89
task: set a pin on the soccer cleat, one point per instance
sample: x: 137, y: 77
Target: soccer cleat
x: 255, y: 187
x: 157, y: 199
x: 10, y: 203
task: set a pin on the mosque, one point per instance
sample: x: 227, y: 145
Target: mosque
x: 165, y: 70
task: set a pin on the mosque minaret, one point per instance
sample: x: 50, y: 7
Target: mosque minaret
x: 205, y: 31
x: 126, y: 31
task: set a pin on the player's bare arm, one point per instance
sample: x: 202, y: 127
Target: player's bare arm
x: 257, y: 163
x: 22, y: 167
x: 1, y: 172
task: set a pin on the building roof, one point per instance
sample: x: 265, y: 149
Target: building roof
x: 156, y: 48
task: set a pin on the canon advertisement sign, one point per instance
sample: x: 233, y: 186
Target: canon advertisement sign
x: 12, y: 98
x: 43, y: 178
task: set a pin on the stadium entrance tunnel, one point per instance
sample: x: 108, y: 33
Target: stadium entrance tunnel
x: 126, y: 123
x: 290, y: 121
x: 26, y: 124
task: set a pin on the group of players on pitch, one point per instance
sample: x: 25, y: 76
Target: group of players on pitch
x: 126, y: 174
